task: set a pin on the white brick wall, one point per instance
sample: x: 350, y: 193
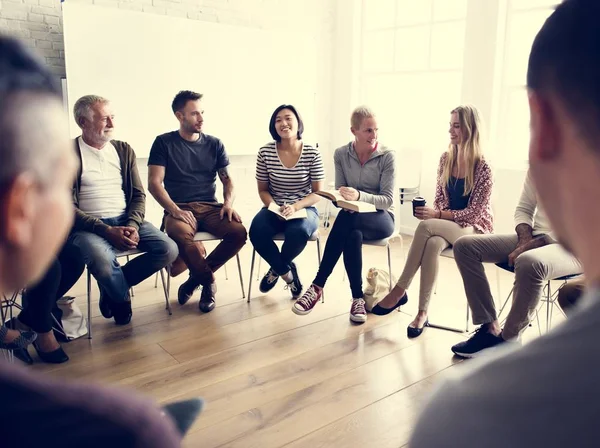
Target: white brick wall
x: 39, y: 22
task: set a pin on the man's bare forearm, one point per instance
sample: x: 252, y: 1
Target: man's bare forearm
x: 228, y: 190
x: 162, y: 197
x: 524, y: 233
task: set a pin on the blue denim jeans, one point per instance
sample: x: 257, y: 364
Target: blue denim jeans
x: 297, y: 232
x: 100, y: 257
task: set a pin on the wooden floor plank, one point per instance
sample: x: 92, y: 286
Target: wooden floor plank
x: 286, y: 419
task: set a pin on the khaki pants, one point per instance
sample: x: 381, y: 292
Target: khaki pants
x: 532, y: 269
x: 233, y: 235
x: 431, y: 238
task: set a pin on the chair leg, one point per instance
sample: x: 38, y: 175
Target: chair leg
x: 251, y: 273
x: 319, y: 259
x: 548, y: 305
x: 156, y: 281
x: 89, y: 303
x: 226, y: 274
x: 259, y: 267
x: 467, y: 324
x: 237, y: 256
x: 389, y: 254
x: 166, y: 290
x: 131, y: 293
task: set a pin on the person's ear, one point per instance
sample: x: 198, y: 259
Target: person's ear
x: 179, y: 116
x: 17, y: 211
x: 353, y: 131
x: 545, y: 129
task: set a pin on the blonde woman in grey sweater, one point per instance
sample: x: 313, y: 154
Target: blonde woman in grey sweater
x: 364, y: 171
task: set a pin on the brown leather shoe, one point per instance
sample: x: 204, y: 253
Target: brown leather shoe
x: 186, y: 290
x: 207, y: 298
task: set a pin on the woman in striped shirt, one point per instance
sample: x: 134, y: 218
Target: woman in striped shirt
x: 288, y: 173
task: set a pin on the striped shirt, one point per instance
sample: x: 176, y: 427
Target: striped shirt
x: 289, y: 184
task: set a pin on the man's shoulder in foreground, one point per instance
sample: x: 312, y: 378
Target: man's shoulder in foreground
x: 543, y: 394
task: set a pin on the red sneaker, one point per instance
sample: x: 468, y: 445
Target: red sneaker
x: 358, y: 313
x: 307, y: 302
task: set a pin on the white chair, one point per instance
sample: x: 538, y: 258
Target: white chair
x: 406, y: 195
x: 449, y: 253
x: 385, y: 242
x: 548, y: 297
x: 206, y: 236
x: 121, y: 254
x: 281, y: 237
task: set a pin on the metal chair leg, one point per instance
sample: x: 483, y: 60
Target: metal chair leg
x: 319, y: 259
x: 251, y: 273
x: 389, y: 254
x: 166, y: 290
x: 131, y: 293
x: 237, y: 256
x: 89, y: 302
x: 226, y: 274
x: 156, y: 281
x: 259, y: 267
x: 548, y: 305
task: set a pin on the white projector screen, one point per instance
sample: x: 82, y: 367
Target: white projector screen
x: 139, y: 61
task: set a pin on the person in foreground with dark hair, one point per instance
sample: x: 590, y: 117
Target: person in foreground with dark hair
x: 545, y: 394
x: 36, y: 214
x: 288, y: 172
x: 182, y: 170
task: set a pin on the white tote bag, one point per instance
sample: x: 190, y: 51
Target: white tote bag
x: 74, y: 322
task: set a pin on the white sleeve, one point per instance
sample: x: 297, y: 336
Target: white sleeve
x: 525, y: 211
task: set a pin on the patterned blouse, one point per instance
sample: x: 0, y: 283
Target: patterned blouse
x: 478, y: 212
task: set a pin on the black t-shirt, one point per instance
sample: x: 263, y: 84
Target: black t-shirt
x: 190, y: 167
x: 456, y: 188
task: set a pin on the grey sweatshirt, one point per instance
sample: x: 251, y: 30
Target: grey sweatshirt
x: 375, y: 180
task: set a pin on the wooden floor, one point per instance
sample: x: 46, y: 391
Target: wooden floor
x: 271, y: 378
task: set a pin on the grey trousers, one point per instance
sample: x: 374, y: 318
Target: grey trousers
x: 532, y: 269
x: 431, y: 238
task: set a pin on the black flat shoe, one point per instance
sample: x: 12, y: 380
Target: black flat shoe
x: 57, y: 356
x: 413, y: 332
x: 381, y: 311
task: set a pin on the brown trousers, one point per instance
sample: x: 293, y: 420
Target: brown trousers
x: 233, y: 237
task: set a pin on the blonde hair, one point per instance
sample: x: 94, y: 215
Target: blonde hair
x: 359, y: 114
x: 470, y: 126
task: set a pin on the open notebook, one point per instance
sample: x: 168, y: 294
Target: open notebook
x: 273, y: 207
x: 355, y: 206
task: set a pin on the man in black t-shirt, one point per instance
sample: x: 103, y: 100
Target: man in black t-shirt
x: 182, y: 171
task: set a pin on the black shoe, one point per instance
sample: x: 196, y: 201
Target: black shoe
x: 122, y: 312
x: 295, y: 286
x: 480, y: 340
x: 105, y: 304
x: 414, y: 332
x: 57, y: 356
x: 207, y: 298
x: 381, y: 311
x: 23, y: 355
x: 269, y: 281
x: 186, y: 290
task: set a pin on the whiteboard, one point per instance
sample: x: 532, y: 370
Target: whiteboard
x: 139, y: 61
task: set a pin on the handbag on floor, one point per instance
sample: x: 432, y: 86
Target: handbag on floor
x: 71, y: 319
x: 378, y: 285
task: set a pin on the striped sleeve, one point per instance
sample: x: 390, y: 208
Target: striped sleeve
x: 262, y: 174
x: 317, y: 170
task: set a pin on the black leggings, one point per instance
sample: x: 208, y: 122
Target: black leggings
x: 346, y: 236
x: 40, y: 299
